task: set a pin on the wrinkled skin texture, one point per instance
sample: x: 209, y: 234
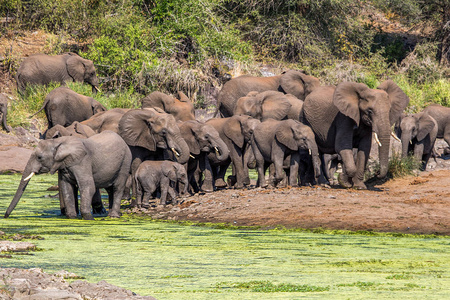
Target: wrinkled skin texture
x: 182, y: 108
x: 418, y: 134
x: 101, y: 161
x: 43, y: 69
x: 236, y: 132
x: 4, y: 111
x: 63, y: 107
x: 202, y: 140
x: 152, y: 134
x: 344, y: 118
x: 76, y: 129
x: 107, y: 120
x: 152, y: 175
x: 442, y: 116
x: 275, y: 141
x: 290, y: 82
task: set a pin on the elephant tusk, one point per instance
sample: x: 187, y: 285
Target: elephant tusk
x: 29, y: 177
x: 309, y: 151
x: 376, y: 139
x: 410, y: 141
x: 395, y: 136
x: 217, y: 150
x: 175, y: 151
x: 98, y: 90
x: 191, y: 156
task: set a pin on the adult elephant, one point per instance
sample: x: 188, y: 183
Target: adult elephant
x: 4, y: 111
x: 291, y: 82
x: 236, y: 132
x: 345, y: 117
x: 152, y: 134
x: 64, y: 106
x: 269, y: 105
x: 202, y: 139
x: 101, y: 161
x: 75, y: 129
x: 106, y: 120
x: 442, y: 116
x: 277, y: 141
x: 418, y: 133
x: 43, y: 69
x: 182, y: 108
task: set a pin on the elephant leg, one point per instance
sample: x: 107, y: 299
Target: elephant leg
x: 128, y: 186
x: 87, y: 190
x: 165, y: 185
x: 418, y: 154
x: 447, y: 138
x: 294, y: 169
x: 221, y: 172
x: 362, y: 156
x: 134, y: 166
x: 173, y: 195
x: 139, y: 193
x: 69, y: 196
x: 97, y: 204
x: 260, y: 167
x: 62, y: 205
x: 149, y: 189
x: 248, y: 155
x: 207, y: 184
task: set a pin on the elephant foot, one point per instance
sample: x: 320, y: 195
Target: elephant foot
x: 100, y: 210
x: 359, y: 185
x: 231, y: 180
x: 114, y: 214
x: 246, y: 181
x: 134, y: 202
x: 87, y: 216
x: 344, y: 181
x: 220, y: 183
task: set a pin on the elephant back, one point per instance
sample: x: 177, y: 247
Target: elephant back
x: 319, y: 111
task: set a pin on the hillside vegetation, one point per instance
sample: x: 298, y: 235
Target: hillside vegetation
x: 139, y: 46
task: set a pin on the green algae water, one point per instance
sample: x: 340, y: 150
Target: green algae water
x: 176, y: 261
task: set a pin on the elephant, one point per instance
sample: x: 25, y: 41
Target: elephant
x: 101, y: 161
x: 4, y: 111
x: 442, y: 116
x: 43, y: 69
x: 269, y: 104
x: 236, y: 132
x: 106, y: 120
x: 202, y: 139
x: 275, y: 141
x: 418, y: 133
x: 182, y: 109
x: 64, y: 106
x: 163, y: 174
x: 150, y: 134
x: 344, y: 117
x: 291, y: 82
x: 75, y: 129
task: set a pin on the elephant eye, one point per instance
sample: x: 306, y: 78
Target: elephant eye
x: 206, y: 136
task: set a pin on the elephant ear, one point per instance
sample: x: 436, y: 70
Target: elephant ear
x: 188, y: 134
x: 298, y: 84
x: 97, y: 106
x: 346, y: 98
x: 274, y: 105
x: 69, y: 152
x: 182, y: 97
x: 285, y: 136
x: 426, y: 125
x: 134, y: 128
x: 157, y: 100
x: 84, y: 130
x: 75, y: 67
x: 233, y: 131
x: 399, y: 100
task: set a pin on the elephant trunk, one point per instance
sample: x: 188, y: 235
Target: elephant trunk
x: 383, y: 150
x: 406, y: 138
x: 179, y: 147
x: 221, y: 149
x: 4, y: 120
x: 22, y: 185
x: 315, y: 158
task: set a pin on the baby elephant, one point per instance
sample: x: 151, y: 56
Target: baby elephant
x: 164, y: 174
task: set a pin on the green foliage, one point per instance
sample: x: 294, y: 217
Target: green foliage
x: 269, y: 287
x: 400, y: 167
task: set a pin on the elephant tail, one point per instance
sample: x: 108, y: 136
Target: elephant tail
x: 40, y: 109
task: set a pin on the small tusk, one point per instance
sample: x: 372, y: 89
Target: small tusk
x: 175, y: 151
x: 191, y: 156
x: 410, y: 141
x: 29, y: 177
x: 309, y: 150
x: 376, y: 139
x: 217, y: 150
x: 98, y: 90
x: 395, y: 136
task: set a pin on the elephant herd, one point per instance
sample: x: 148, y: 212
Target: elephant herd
x: 288, y: 124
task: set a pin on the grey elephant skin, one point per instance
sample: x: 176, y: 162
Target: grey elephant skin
x: 75, y: 129
x: 202, y: 140
x: 291, y: 82
x: 269, y: 105
x: 182, y: 108
x: 165, y: 175
x: 106, y: 120
x: 344, y: 118
x: 42, y: 69
x: 101, y: 161
x: 4, y: 111
x: 236, y: 132
x: 442, y: 116
x: 63, y: 107
x: 283, y: 141
x: 418, y: 134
